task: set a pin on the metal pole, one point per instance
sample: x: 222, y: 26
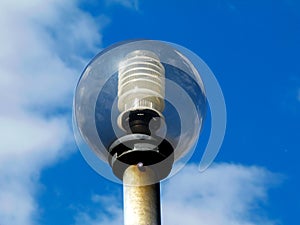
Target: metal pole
x: 141, y: 196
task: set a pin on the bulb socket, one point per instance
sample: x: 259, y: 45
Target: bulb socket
x: 144, y: 121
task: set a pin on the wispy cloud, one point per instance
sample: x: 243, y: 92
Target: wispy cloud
x: 131, y: 4
x: 224, y: 194
x: 42, y: 47
x: 110, y: 212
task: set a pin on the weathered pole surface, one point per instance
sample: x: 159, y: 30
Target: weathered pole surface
x: 141, y: 196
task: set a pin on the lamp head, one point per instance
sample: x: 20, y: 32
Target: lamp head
x: 139, y: 102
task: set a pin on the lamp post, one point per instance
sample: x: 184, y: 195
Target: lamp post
x: 139, y: 107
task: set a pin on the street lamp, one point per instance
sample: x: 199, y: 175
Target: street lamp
x: 139, y: 107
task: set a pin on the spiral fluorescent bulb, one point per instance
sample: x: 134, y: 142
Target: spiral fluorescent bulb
x: 141, y: 83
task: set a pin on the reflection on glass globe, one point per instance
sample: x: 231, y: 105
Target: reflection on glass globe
x: 139, y: 102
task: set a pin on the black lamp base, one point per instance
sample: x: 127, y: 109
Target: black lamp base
x: 133, y: 149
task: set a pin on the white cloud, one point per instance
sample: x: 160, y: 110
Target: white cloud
x: 43, y: 44
x: 224, y: 194
x: 17, y: 205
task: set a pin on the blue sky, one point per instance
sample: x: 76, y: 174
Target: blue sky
x: 251, y: 46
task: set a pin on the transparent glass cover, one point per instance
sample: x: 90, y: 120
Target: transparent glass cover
x: 107, y: 89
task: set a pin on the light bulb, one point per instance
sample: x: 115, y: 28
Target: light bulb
x: 141, y: 91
